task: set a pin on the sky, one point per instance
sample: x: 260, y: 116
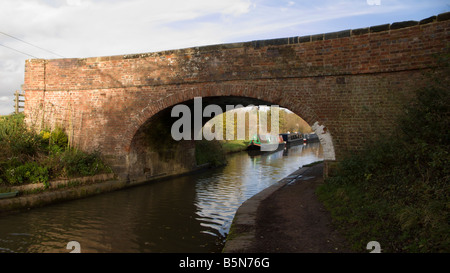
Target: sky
x: 50, y: 29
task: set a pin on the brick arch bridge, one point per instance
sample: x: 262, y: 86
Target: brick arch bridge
x: 349, y: 85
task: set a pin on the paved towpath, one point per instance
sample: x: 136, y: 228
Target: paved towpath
x: 287, y: 218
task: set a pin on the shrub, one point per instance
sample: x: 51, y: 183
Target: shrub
x: 78, y: 163
x: 29, y: 172
x: 27, y: 157
x: 54, y: 141
x: 15, y: 138
x: 59, y: 138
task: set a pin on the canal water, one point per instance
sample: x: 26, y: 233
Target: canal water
x: 182, y: 215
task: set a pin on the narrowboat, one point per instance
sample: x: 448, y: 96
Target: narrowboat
x: 291, y: 138
x: 266, y: 143
x: 309, y: 138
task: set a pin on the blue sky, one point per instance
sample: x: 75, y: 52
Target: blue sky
x: 87, y: 28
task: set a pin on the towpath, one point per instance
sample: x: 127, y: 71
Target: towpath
x: 287, y: 218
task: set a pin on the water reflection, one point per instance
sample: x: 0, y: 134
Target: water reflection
x: 218, y: 196
x: 185, y: 214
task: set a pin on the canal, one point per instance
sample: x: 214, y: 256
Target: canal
x: 181, y: 215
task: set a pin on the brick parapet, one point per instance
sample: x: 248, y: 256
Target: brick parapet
x: 378, y: 49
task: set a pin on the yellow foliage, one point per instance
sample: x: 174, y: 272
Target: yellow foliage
x: 45, y: 135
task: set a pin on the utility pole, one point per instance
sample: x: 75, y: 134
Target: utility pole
x: 17, y: 96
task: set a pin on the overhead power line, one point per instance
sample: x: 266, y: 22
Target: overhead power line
x: 31, y: 45
x: 19, y: 51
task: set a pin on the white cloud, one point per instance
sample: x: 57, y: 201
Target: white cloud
x: 73, y: 2
x: 5, y: 98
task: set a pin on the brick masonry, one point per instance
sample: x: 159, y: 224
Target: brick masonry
x: 349, y: 84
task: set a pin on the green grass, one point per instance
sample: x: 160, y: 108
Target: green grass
x: 232, y: 146
x: 397, y: 190
x: 214, y: 152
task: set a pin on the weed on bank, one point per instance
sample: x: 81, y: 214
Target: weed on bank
x: 28, y: 157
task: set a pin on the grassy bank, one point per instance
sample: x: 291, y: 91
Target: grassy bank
x: 214, y: 152
x: 397, y: 191
x: 233, y: 146
x: 209, y: 152
x: 27, y: 157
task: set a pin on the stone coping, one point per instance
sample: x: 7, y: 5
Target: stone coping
x: 35, y: 195
x: 61, y: 183
x: 270, y: 42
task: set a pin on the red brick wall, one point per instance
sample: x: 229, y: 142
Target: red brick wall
x: 351, y: 82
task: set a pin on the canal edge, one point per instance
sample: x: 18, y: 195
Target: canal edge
x: 96, y: 185
x: 83, y: 187
x: 241, y: 236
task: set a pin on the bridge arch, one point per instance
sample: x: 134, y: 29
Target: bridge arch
x: 348, y: 85
x: 145, y: 159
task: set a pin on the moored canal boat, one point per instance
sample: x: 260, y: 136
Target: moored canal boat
x: 292, y: 138
x: 310, y: 138
x: 266, y: 143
